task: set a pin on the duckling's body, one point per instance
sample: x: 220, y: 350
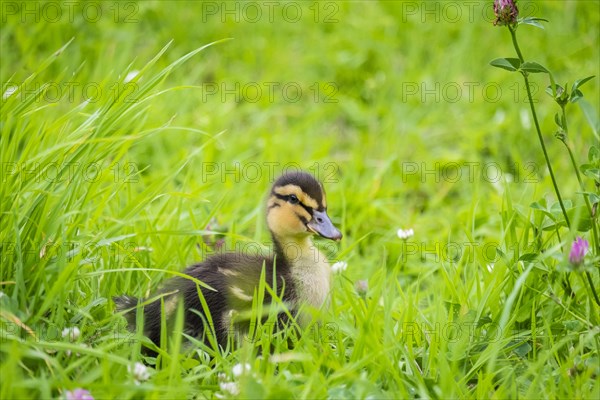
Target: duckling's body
x: 296, y: 270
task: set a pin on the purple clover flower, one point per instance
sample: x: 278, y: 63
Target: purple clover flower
x: 578, y: 250
x: 506, y: 12
x: 362, y: 287
x: 78, y: 394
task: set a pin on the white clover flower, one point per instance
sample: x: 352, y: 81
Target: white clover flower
x: 139, y: 372
x: 68, y: 352
x: 131, y: 75
x: 238, y: 369
x: 405, y: 234
x: 72, y: 333
x: 339, y: 267
x: 230, y: 387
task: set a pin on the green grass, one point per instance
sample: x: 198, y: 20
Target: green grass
x: 113, y: 195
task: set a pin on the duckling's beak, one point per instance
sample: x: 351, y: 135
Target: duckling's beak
x: 322, y: 226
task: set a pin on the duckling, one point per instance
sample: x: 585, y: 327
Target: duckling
x: 296, y: 270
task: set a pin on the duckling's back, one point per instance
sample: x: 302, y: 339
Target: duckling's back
x: 235, y: 278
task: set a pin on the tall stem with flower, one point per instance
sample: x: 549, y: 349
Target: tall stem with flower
x: 507, y: 13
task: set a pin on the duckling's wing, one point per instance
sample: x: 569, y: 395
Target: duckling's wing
x: 235, y: 278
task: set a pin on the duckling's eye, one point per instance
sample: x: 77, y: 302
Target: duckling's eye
x: 293, y: 199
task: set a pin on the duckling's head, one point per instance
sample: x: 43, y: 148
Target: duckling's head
x: 297, y: 209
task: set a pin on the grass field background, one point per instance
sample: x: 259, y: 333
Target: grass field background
x: 120, y: 142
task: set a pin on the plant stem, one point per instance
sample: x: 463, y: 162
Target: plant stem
x: 591, y: 282
x: 581, y: 185
x: 513, y: 34
x: 587, y: 202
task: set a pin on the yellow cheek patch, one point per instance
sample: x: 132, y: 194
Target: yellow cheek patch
x: 290, y: 221
x: 284, y: 220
